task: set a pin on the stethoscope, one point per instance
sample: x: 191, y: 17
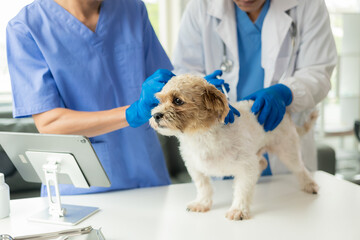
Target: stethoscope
x: 227, y: 64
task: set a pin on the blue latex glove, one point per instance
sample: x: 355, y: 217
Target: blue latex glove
x: 140, y: 111
x: 230, y: 118
x: 214, y: 80
x: 271, y: 102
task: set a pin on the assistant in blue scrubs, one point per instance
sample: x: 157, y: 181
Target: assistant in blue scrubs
x: 251, y: 73
x: 55, y: 61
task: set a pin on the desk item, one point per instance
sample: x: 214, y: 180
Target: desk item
x: 51, y: 235
x: 4, y: 198
x: 56, y: 159
x: 95, y: 234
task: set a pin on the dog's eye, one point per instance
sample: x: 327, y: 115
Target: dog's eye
x: 177, y: 101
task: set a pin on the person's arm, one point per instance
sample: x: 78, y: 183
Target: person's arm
x: 90, y: 124
x: 310, y: 83
x: 315, y: 60
x: 35, y: 92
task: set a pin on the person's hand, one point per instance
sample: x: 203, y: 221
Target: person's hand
x: 271, y: 102
x: 140, y: 111
x: 217, y: 82
x: 230, y: 118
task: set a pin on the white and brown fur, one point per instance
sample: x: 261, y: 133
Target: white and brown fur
x: 193, y: 110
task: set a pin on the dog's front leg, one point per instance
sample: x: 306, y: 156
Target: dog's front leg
x: 203, y: 200
x: 244, y: 185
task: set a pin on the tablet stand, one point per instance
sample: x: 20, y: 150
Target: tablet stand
x: 49, y: 165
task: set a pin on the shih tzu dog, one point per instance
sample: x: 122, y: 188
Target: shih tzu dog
x: 194, y: 111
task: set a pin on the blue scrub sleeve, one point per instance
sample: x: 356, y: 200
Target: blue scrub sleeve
x: 155, y: 56
x: 33, y: 87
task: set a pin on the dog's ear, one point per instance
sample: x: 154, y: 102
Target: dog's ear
x: 215, y: 101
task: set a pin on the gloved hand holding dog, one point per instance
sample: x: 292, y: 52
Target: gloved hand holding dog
x: 214, y: 80
x: 217, y: 82
x: 140, y: 111
x: 271, y: 102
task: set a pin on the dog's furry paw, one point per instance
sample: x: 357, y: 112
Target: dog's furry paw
x: 311, y: 187
x: 237, y: 214
x: 196, y: 206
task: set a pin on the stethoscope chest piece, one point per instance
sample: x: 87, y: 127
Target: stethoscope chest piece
x: 226, y: 65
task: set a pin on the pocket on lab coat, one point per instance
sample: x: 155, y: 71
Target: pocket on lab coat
x: 130, y: 64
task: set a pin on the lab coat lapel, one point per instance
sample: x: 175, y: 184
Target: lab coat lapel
x: 276, y: 26
x: 226, y: 28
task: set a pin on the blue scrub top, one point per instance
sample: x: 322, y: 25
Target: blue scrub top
x: 251, y: 73
x: 56, y: 61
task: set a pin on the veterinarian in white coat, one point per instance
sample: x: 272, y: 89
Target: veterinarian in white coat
x: 208, y: 36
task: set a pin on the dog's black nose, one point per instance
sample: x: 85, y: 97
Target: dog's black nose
x: 158, y: 117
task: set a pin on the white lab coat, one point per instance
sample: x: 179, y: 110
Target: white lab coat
x: 207, y: 24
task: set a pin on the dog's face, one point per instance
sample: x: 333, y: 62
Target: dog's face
x: 188, y: 104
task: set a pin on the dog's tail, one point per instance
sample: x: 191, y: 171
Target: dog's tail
x: 302, y: 130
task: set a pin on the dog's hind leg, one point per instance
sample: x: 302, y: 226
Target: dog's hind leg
x: 244, y: 184
x: 203, y: 201
x: 288, y: 151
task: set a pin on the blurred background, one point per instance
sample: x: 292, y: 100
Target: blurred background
x: 340, y: 112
